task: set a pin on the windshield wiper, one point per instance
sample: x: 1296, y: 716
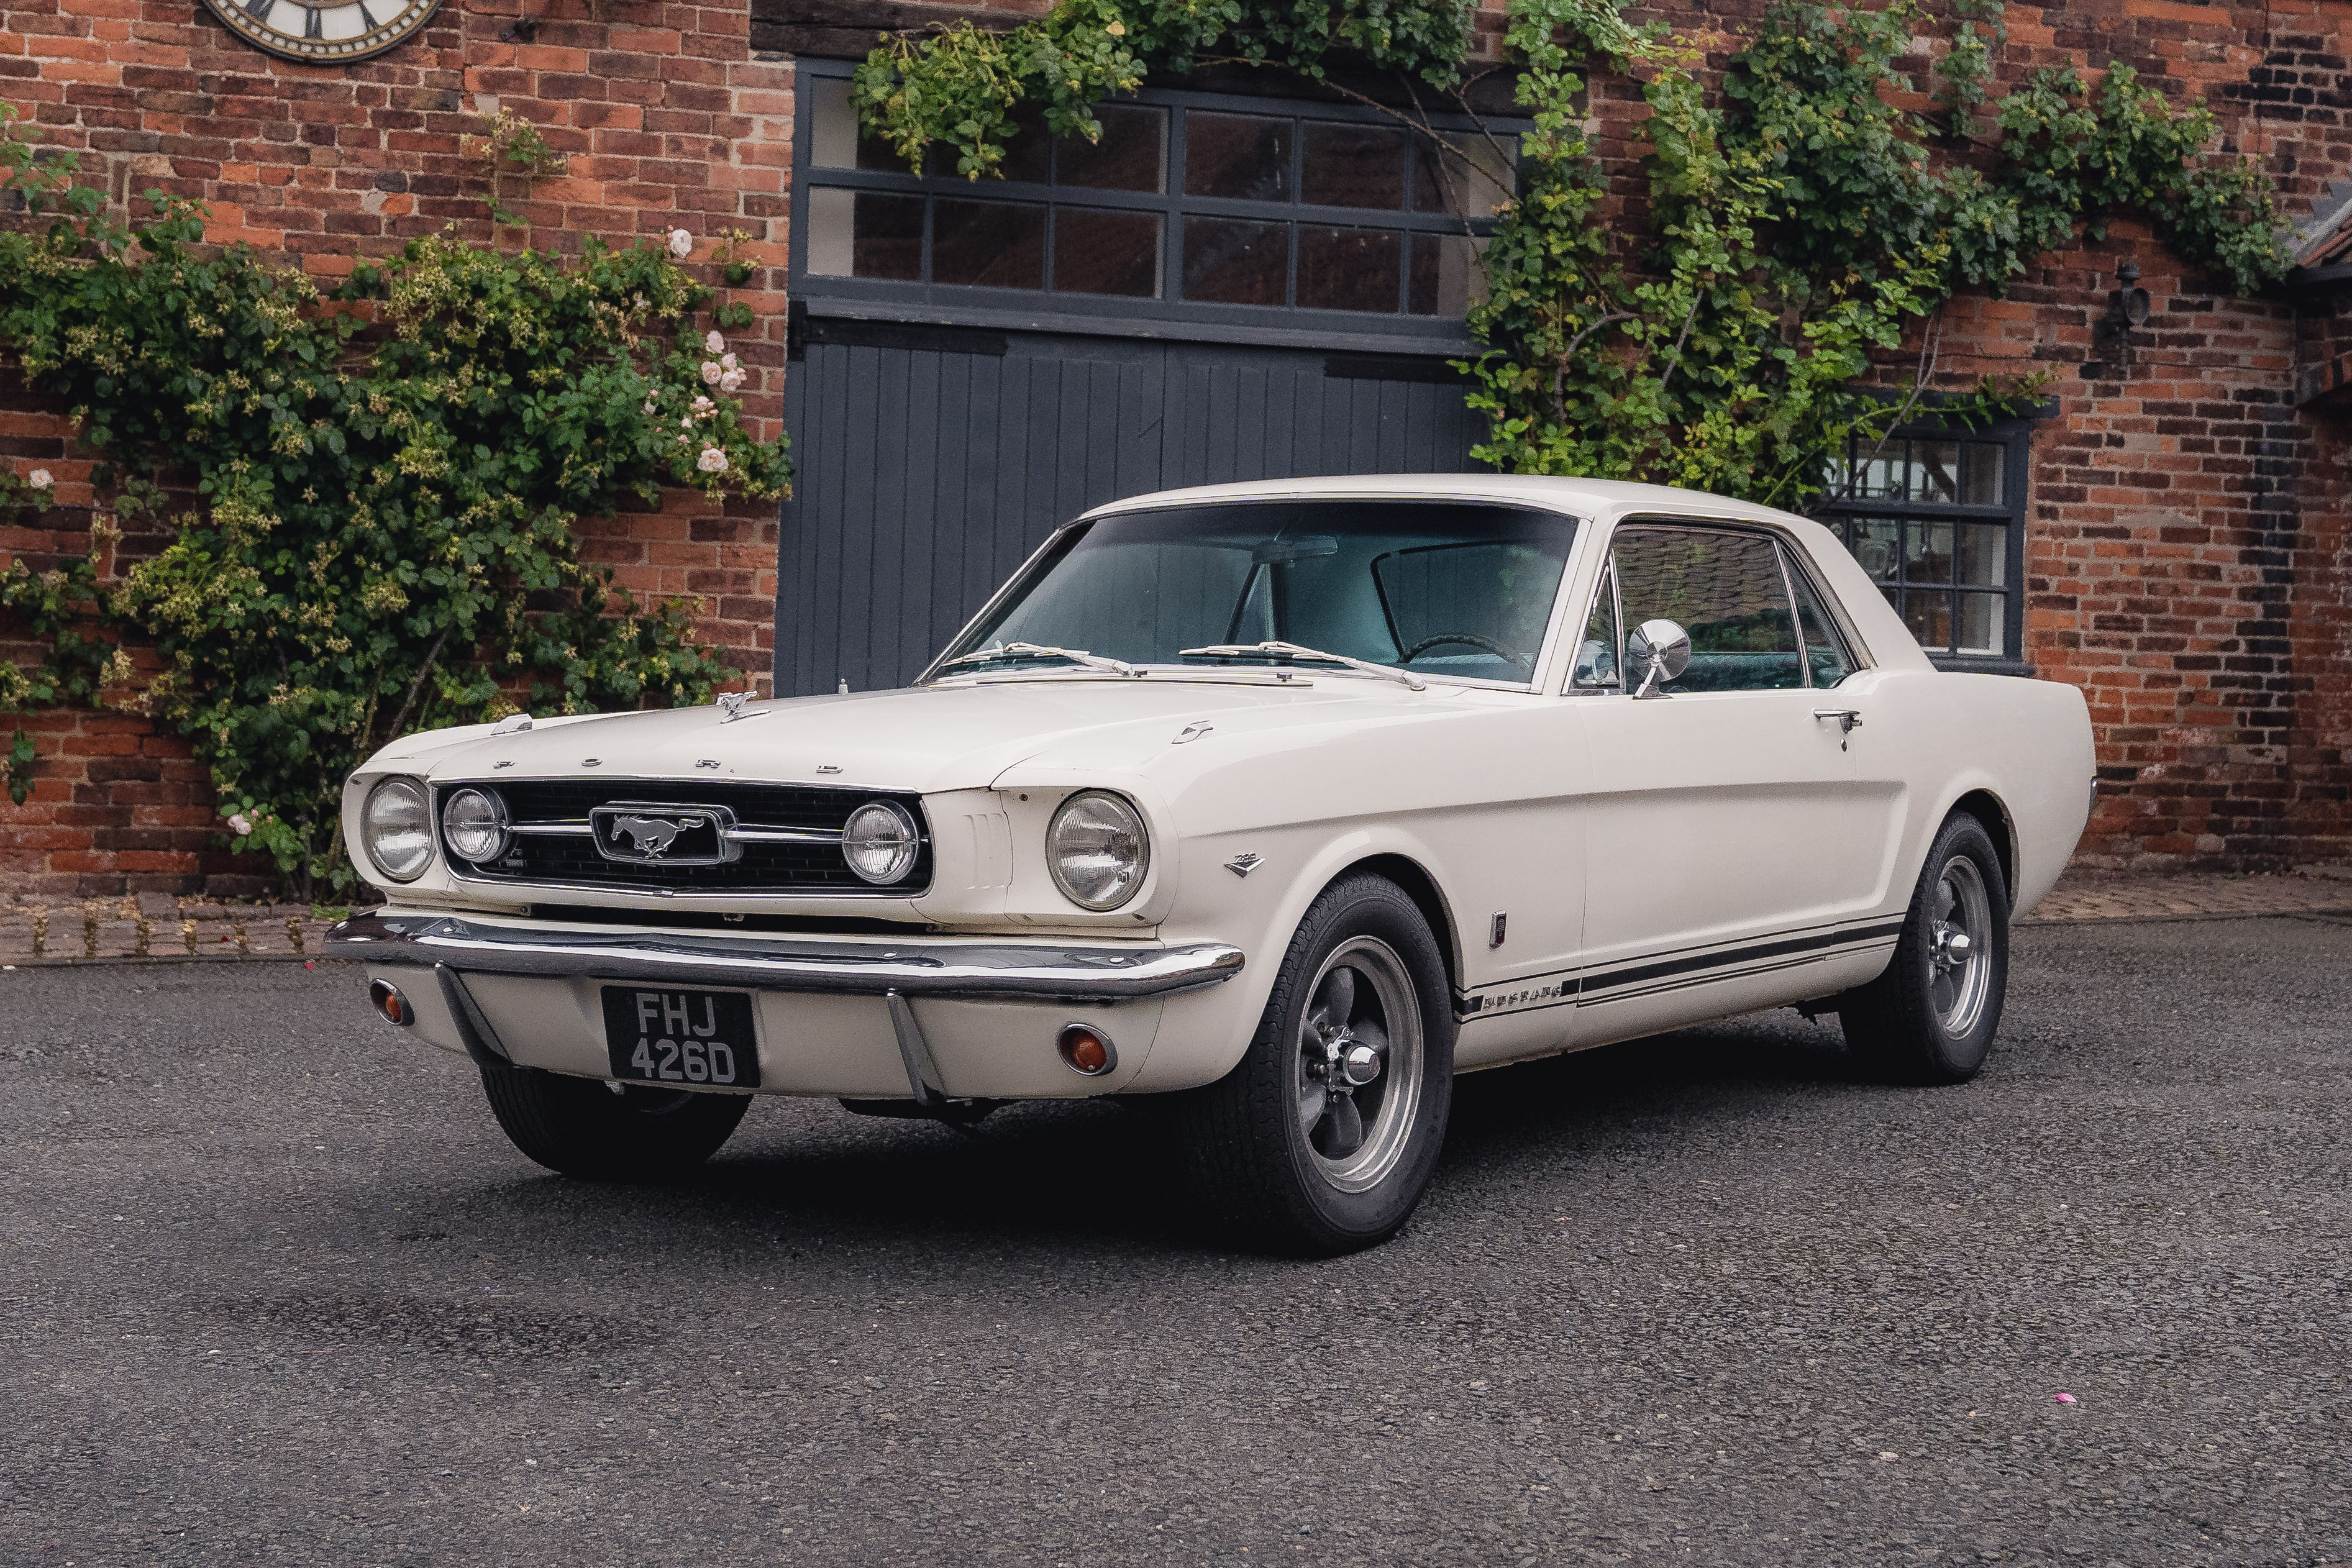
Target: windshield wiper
x: 1291, y: 650
x: 1077, y: 655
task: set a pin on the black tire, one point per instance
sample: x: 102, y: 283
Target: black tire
x: 1260, y: 1175
x: 1910, y: 1025
x: 580, y: 1127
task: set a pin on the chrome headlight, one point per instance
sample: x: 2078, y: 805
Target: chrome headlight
x: 397, y: 823
x: 474, y: 823
x: 1097, y: 849
x: 880, y: 842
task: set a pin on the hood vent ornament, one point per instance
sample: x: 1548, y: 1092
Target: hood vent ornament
x: 512, y: 723
x: 730, y: 707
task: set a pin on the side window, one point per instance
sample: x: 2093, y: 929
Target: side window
x: 1596, y: 654
x: 1727, y: 590
x: 1826, y: 654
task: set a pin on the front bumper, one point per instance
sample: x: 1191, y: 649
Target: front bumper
x: 964, y: 969
x: 928, y: 1018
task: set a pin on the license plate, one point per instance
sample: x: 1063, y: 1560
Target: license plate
x: 684, y: 1037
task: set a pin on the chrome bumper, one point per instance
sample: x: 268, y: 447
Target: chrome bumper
x: 967, y: 969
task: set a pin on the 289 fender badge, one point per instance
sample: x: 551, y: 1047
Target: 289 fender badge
x: 1243, y: 865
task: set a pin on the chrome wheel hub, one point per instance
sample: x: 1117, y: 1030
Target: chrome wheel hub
x: 1356, y: 1081
x: 1960, y: 975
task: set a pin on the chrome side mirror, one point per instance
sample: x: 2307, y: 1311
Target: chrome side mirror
x: 1661, y: 650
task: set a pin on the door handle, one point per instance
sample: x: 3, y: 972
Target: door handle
x: 1849, y: 720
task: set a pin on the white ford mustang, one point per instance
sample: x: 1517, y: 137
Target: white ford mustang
x: 1285, y: 801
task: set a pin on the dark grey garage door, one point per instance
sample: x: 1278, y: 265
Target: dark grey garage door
x: 933, y: 460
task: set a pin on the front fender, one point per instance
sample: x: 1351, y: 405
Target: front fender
x: 1205, y: 1035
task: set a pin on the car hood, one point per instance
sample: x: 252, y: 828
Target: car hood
x: 956, y: 736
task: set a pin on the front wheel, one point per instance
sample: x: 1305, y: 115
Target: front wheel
x: 1323, y: 1139
x: 607, y: 1131
x: 1930, y: 1018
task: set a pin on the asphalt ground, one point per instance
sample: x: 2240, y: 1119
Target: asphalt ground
x: 275, y: 1289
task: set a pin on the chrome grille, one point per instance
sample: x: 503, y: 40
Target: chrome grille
x: 784, y: 838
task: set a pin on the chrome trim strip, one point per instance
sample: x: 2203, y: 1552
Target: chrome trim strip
x: 920, y: 966
x: 553, y: 829
x: 785, y: 835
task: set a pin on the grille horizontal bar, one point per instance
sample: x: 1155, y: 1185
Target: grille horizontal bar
x: 787, y: 838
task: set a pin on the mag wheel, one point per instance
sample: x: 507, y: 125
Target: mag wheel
x: 1322, y: 1141
x: 1931, y: 1016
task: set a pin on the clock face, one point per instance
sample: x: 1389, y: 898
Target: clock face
x: 325, y: 34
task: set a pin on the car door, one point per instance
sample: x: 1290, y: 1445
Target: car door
x: 1713, y: 868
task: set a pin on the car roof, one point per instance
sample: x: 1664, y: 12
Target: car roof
x: 1597, y: 500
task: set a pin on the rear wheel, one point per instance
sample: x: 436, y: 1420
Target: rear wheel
x: 1322, y: 1141
x: 587, y: 1128
x: 1931, y: 1016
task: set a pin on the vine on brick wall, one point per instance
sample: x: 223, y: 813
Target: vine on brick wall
x: 1723, y: 328
x: 387, y: 483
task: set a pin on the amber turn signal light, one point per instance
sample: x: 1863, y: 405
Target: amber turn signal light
x: 385, y: 997
x: 1086, y: 1048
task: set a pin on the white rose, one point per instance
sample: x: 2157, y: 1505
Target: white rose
x: 715, y: 343
x: 686, y: 422
x: 239, y: 825
x: 730, y: 381
x: 39, y: 480
x: 712, y: 461
x: 727, y: 361
x: 681, y: 244
x: 649, y: 407
x: 711, y: 372
x: 704, y: 406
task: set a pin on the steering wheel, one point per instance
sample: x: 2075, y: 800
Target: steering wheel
x: 1524, y: 664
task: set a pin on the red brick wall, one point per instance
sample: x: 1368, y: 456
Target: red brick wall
x: 2188, y: 547
x: 665, y: 120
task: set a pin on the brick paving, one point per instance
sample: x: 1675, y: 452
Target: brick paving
x: 158, y: 929
x: 2140, y: 896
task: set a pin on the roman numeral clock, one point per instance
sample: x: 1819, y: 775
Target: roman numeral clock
x: 329, y: 33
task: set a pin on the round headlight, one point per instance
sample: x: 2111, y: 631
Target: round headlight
x: 475, y: 824
x: 879, y: 841
x: 1097, y: 849
x: 398, y: 824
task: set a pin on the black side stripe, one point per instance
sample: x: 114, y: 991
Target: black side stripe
x: 1640, y: 973
x: 1650, y: 977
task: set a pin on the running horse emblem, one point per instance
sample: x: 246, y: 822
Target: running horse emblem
x: 650, y: 836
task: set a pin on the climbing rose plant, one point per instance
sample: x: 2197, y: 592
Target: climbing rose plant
x: 378, y: 489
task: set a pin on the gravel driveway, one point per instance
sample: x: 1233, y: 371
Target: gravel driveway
x: 274, y: 1290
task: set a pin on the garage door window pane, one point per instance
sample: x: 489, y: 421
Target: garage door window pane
x: 1132, y: 156
x: 1236, y: 263
x: 1464, y: 172
x: 1240, y: 157
x: 1347, y: 269
x: 989, y: 244
x: 1352, y: 166
x: 836, y: 139
x: 860, y: 235
x: 1107, y: 253
x: 1447, y: 277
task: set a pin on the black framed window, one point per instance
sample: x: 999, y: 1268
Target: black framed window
x: 1191, y: 206
x: 1937, y: 518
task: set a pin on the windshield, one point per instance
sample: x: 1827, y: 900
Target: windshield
x: 1447, y: 588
